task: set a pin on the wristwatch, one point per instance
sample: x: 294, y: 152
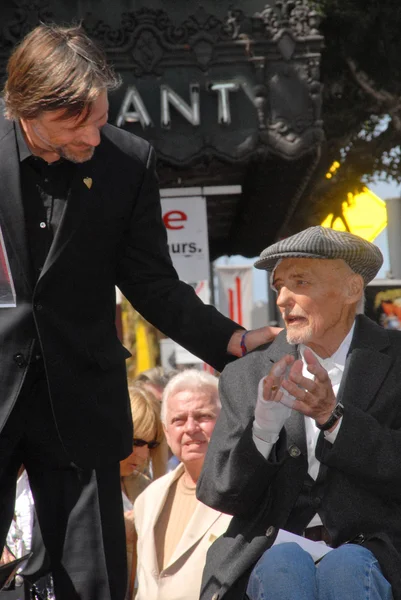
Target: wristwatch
x: 333, y: 418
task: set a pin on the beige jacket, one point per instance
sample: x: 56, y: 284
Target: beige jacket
x: 181, y: 579
x: 134, y: 485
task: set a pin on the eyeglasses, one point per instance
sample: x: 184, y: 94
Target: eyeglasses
x: 140, y: 443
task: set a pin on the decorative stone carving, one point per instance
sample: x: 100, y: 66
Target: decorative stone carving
x: 286, y: 44
x: 170, y: 34
x: 28, y: 13
x: 203, y: 49
x: 296, y: 15
x: 147, y: 52
x: 232, y: 25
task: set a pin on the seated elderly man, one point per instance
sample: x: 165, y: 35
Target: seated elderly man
x: 174, y: 529
x: 309, y: 438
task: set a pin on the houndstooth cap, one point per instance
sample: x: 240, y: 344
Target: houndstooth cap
x: 363, y: 257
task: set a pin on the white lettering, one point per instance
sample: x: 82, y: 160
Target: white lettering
x: 223, y: 91
x: 133, y: 98
x: 133, y: 109
x: 190, y: 113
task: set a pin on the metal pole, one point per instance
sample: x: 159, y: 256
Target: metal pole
x: 394, y: 236
x: 211, y: 283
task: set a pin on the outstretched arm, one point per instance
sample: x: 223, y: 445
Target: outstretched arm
x: 146, y: 276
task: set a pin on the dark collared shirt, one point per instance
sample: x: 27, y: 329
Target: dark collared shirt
x: 45, y: 189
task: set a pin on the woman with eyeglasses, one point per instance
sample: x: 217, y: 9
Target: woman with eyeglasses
x: 149, y: 455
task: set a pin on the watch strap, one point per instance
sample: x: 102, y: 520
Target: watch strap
x: 337, y: 413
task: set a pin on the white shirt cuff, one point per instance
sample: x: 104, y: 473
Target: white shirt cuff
x: 263, y: 446
x: 332, y: 435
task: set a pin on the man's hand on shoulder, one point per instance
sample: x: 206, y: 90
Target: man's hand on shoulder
x: 253, y: 339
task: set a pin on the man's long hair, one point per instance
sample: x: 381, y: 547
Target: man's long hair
x: 56, y: 68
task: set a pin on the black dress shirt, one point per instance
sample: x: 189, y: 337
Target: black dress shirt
x: 44, y: 189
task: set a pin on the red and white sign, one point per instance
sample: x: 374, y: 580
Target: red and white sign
x: 235, y: 293
x: 185, y: 219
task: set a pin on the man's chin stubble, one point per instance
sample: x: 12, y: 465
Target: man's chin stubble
x: 73, y: 157
x: 301, y: 337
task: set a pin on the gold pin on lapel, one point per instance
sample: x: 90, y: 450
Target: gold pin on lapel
x: 88, y: 182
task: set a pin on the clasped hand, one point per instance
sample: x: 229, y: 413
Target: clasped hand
x: 312, y: 397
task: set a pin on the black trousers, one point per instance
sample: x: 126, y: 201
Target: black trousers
x: 79, y: 511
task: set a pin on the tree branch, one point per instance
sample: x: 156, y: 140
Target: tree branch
x: 388, y: 102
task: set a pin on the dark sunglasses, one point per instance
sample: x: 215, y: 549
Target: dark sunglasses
x: 141, y: 443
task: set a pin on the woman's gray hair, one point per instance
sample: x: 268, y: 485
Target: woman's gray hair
x: 190, y: 380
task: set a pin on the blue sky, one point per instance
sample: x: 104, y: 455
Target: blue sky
x: 383, y: 190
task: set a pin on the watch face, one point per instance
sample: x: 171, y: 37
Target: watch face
x: 338, y: 410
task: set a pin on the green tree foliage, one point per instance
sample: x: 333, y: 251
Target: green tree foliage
x: 361, y: 74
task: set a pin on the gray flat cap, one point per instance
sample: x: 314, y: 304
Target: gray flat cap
x: 363, y: 257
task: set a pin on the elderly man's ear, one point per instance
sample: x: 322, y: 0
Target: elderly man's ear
x: 355, y: 288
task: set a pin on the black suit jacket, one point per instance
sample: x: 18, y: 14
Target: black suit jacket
x: 362, y: 491
x: 111, y: 234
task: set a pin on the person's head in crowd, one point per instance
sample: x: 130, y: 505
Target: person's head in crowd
x: 155, y: 380
x: 56, y: 88
x: 190, y: 407
x: 149, y: 441
x: 319, y: 275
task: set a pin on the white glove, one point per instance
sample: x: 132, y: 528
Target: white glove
x: 270, y: 417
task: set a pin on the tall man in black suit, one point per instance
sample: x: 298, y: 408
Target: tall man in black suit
x: 309, y: 438
x: 80, y: 213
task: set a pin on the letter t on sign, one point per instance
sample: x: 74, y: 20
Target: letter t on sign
x: 223, y: 90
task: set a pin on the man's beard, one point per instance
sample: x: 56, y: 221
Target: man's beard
x: 64, y: 152
x: 300, y: 337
